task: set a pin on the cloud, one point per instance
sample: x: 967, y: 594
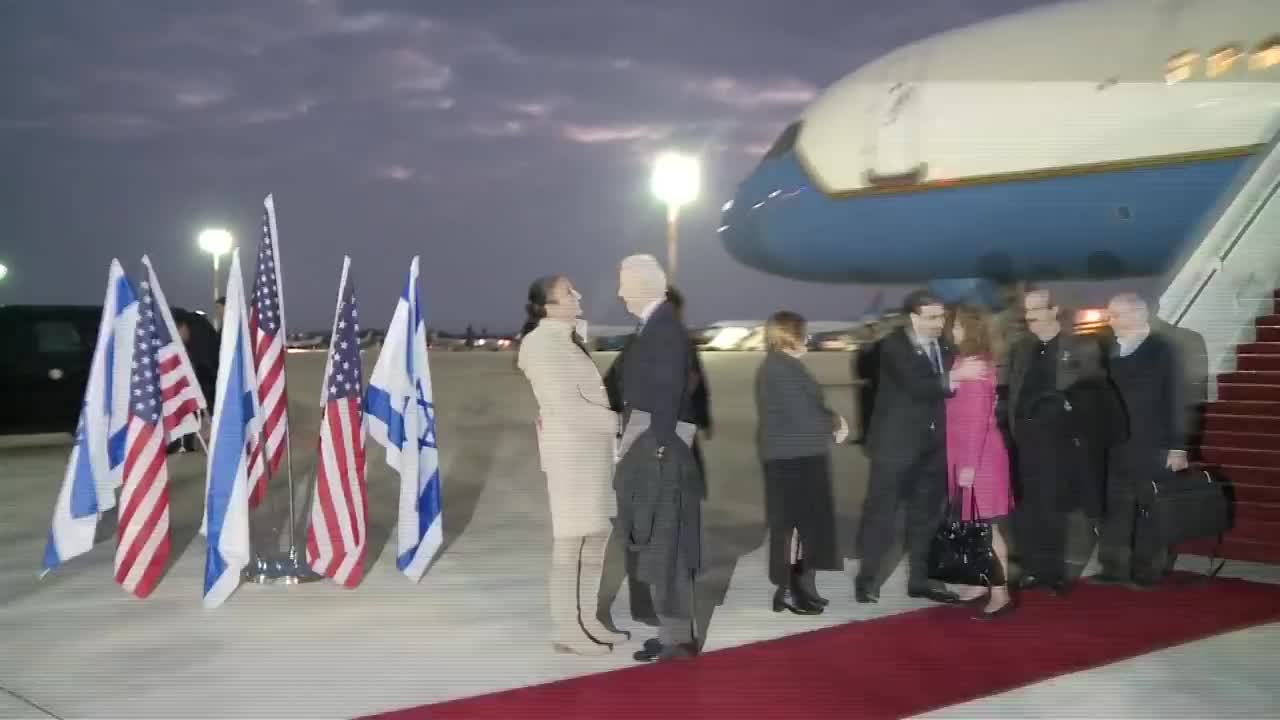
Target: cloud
x: 597, y: 134
x: 533, y: 109
x: 396, y: 173
x: 113, y: 125
x: 509, y: 128
x: 787, y: 93
x: 412, y: 70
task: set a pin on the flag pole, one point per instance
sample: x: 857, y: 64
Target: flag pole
x: 293, y: 571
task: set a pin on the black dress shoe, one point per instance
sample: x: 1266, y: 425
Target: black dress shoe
x: 655, y: 651
x: 1105, y: 578
x: 784, y: 598
x: 863, y: 595
x: 1030, y: 582
x: 999, y: 612
x: 946, y: 597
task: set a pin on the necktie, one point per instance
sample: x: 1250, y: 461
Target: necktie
x: 934, y: 358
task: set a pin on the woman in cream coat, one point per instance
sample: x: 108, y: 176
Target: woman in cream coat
x: 576, y: 436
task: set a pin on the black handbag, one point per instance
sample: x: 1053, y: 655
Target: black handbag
x: 1180, y: 507
x: 961, y: 552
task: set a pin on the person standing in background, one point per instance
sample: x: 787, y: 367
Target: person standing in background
x: 1055, y: 459
x: 794, y: 440
x: 1147, y: 371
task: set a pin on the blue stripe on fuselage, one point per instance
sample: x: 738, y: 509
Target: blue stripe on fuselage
x: 1065, y: 226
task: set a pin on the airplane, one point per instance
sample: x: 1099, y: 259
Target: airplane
x: 1079, y: 140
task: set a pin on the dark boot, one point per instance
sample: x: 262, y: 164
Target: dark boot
x: 804, y: 584
x: 785, y: 598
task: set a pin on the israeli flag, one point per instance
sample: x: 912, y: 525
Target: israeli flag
x: 97, y: 458
x: 402, y: 419
x: 234, y: 441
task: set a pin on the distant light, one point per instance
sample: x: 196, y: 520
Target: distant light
x: 4, y: 271
x: 214, y: 241
x: 1181, y: 67
x: 676, y: 179
x: 1266, y: 55
x: 1222, y: 60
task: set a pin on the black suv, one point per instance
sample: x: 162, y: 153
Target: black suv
x: 45, y: 356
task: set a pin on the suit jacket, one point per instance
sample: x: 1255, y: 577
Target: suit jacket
x: 696, y: 408
x: 1156, y: 395
x: 910, y: 412
x: 655, y: 372
x: 1079, y: 358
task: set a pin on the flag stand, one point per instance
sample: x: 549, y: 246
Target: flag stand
x: 273, y: 569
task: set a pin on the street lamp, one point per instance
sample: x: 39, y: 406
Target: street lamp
x: 675, y: 181
x: 216, y: 242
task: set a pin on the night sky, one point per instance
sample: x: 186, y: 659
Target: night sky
x: 498, y: 139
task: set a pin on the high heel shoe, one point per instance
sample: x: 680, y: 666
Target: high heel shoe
x: 785, y: 599
x: 1005, y: 609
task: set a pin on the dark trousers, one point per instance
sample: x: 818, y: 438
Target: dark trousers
x: 1040, y: 524
x: 639, y: 593
x: 921, y: 485
x: 1130, y: 472
x: 798, y: 501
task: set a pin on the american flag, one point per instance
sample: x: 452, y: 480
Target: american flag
x: 142, y: 539
x: 266, y: 332
x: 183, y: 398
x: 339, y: 510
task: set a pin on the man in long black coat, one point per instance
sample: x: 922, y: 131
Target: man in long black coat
x: 1147, y: 369
x: 1059, y: 402
x: 660, y: 488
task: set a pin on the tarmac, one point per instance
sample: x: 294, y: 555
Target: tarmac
x: 75, y: 644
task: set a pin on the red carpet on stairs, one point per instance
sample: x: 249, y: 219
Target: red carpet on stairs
x: 1241, y: 444
x: 892, y: 667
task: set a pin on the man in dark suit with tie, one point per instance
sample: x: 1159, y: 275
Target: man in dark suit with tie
x: 907, y: 446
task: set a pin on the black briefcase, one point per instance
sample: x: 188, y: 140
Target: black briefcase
x: 1180, y: 507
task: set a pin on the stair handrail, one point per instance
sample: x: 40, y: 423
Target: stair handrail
x: 1228, y: 257
x: 1211, y: 265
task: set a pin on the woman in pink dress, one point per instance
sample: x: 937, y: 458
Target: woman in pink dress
x: 977, y: 459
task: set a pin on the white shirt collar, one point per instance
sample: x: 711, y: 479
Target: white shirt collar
x: 648, y: 311
x: 1128, y: 344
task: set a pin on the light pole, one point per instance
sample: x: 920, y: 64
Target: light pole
x: 216, y: 242
x: 675, y: 181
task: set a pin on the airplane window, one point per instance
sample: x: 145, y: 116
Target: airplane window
x: 785, y: 142
x: 1267, y: 54
x: 1180, y: 67
x: 1221, y: 60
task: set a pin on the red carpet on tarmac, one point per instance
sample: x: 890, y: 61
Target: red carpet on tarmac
x: 892, y: 667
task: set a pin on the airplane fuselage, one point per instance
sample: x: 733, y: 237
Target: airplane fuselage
x: 1088, y: 139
